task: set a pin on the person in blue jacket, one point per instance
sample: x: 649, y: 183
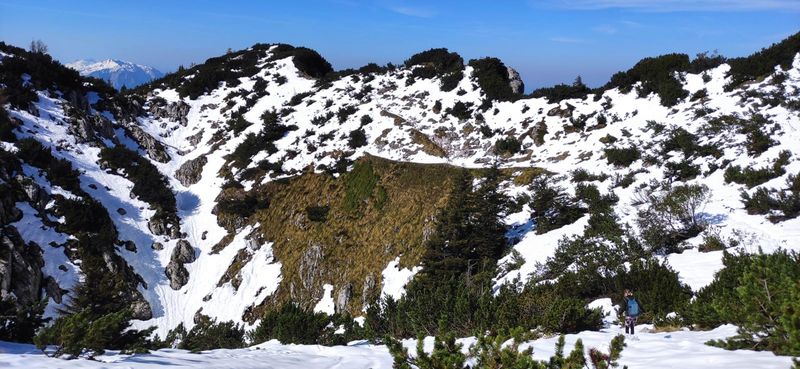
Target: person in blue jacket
x: 632, y: 310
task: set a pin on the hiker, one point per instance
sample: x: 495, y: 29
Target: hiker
x: 632, y: 310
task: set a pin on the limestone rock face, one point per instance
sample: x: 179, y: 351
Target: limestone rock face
x: 20, y: 268
x: 175, y: 111
x: 309, y: 265
x: 90, y: 128
x: 343, y: 297
x: 177, y: 274
x: 153, y: 147
x: 183, y: 253
x: 190, y: 171
x: 515, y: 81
x: 176, y: 271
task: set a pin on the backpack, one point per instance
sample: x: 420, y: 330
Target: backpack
x: 633, y: 307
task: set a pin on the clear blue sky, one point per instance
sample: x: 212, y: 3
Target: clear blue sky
x: 547, y: 41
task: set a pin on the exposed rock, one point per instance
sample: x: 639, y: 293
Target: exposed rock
x: 129, y: 245
x: 515, y: 81
x: 154, y: 148
x: 157, y: 246
x: 20, y: 268
x: 189, y: 173
x: 33, y: 193
x: 177, y: 274
x: 175, y: 271
x: 140, y: 309
x: 368, y: 289
x: 157, y: 226
x: 174, y: 231
x: 174, y: 111
x: 343, y: 297
x: 195, y: 138
x: 558, y: 111
x: 8, y: 210
x: 53, y: 290
x: 121, y: 211
x: 90, y: 128
x: 198, y: 316
x: 183, y: 252
x: 309, y: 265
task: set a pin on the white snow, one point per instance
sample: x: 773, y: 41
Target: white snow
x: 396, y: 278
x: 325, y: 305
x: 681, y: 349
x: 608, y: 309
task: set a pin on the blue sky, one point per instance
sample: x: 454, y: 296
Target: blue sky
x: 547, y: 41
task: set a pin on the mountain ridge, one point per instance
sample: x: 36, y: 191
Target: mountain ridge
x: 221, y: 132
x: 118, y: 73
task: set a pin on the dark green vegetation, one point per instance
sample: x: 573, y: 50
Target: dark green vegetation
x: 622, y: 157
x: 492, y: 76
x: 230, y: 67
x: 752, y: 177
x: 437, y: 62
x: 45, y: 74
x: 149, y: 184
x: 780, y: 204
x: 291, y: 324
x: 671, y: 215
x: 273, y: 131
x: 762, y: 63
x: 207, y: 334
x: 760, y: 294
x: 19, y: 323
x: 85, y: 333
x: 58, y: 171
x: 493, y: 350
x: 658, y: 74
x: 577, y: 90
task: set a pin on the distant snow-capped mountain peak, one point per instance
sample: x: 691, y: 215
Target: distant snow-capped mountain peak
x: 118, y: 73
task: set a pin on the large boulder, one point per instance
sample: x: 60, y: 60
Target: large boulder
x: 176, y: 272
x: 190, y: 171
x: 183, y: 252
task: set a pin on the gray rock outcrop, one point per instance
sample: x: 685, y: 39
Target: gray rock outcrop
x: 189, y: 172
x: 153, y: 147
x: 176, y: 271
x: 515, y: 81
x: 20, y: 268
x: 343, y: 297
x: 174, y: 111
x: 309, y: 268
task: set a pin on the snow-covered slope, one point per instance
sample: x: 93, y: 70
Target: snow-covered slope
x: 683, y: 349
x: 118, y: 73
x: 192, y: 126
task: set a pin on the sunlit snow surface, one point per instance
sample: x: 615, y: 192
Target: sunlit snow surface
x: 261, y: 276
x: 682, y: 349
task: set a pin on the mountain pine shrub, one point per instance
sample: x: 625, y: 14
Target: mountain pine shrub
x: 760, y: 294
x: 87, y: 333
x: 622, y: 157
